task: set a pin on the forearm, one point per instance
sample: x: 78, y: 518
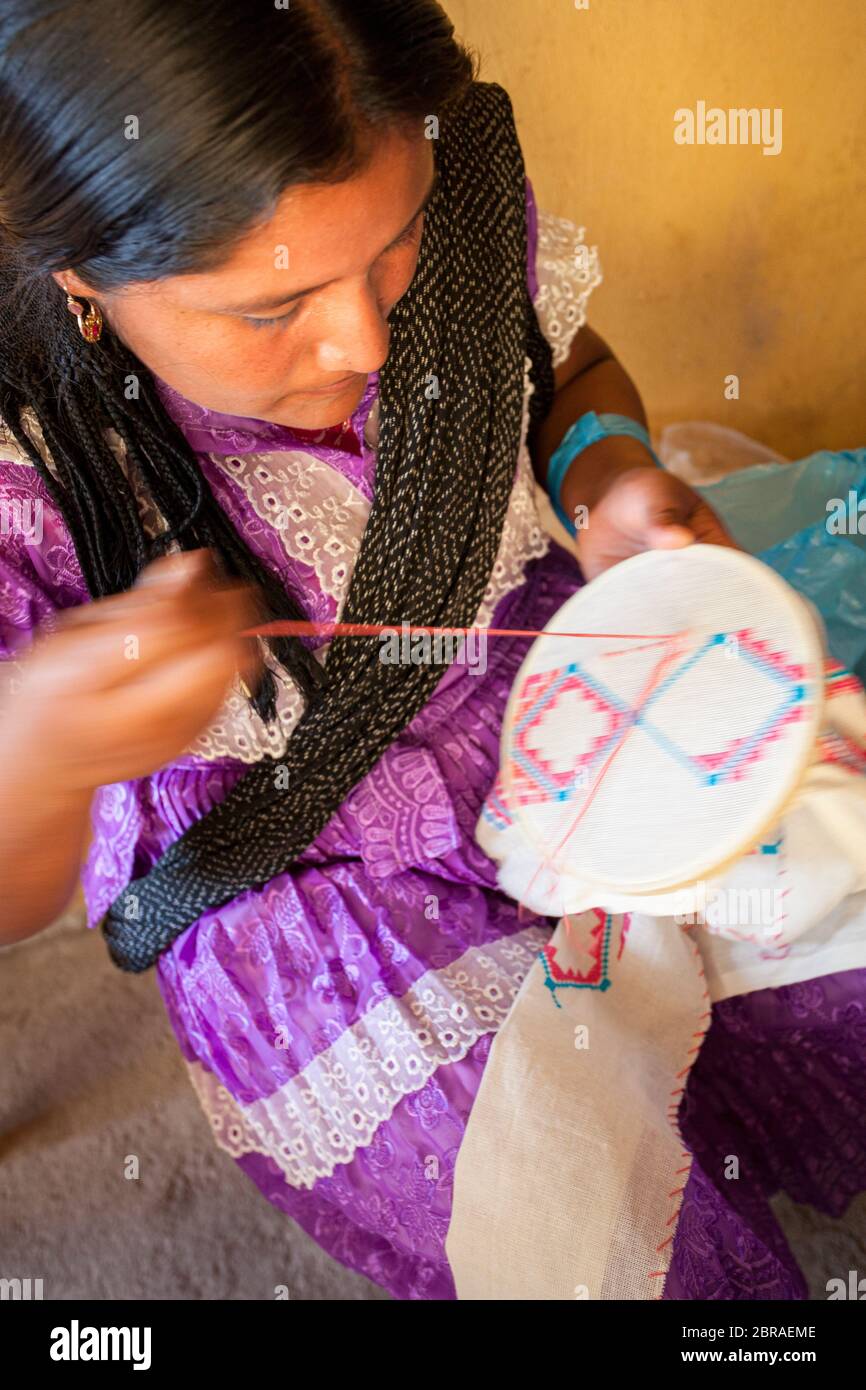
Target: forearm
x: 43, y: 834
x: 605, y: 387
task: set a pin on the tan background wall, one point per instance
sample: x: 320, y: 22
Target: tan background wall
x: 717, y: 259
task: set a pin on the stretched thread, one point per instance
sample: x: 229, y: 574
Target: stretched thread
x: 292, y: 627
x: 655, y: 679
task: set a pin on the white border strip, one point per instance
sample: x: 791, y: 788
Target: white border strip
x: 336, y: 1103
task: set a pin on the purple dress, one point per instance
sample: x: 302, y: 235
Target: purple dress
x: 336, y: 1023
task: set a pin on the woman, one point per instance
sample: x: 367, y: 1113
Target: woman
x: 267, y: 300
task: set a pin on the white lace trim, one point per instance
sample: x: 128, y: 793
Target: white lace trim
x: 334, y: 1106
x: 568, y: 271
x: 523, y: 537
x: 319, y: 515
x: 239, y: 732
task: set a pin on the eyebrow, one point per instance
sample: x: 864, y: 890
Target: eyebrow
x: 255, y: 306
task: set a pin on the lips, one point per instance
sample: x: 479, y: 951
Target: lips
x: 331, y: 390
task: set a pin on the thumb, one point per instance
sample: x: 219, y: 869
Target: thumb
x: 176, y: 570
x: 667, y: 535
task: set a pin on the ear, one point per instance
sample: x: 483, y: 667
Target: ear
x: 70, y: 283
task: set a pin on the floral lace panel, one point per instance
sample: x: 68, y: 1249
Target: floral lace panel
x: 318, y: 514
x: 335, y: 1105
x: 319, y: 518
x: 568, y: 271
x: 523, y: 538
x: 238, y: 732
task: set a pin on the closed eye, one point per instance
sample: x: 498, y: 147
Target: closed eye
x: 404, y: 240
x: 409, y: 234
x: 282, y: 318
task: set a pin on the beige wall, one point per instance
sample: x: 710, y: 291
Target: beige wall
x: 718, y: 259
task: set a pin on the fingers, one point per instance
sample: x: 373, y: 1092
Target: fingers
x: 678, y: 516
x: 171, y: 570
x: 191, y: 573
x: 196, y: 680
x: 647, y: 509
x: 100, y: 656
x: 711, y: 530
x: 174, y: 609
x: 148, y: 723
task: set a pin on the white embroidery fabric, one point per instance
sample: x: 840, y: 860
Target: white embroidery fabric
x: 570, y: 1174
x: 334, y: 1105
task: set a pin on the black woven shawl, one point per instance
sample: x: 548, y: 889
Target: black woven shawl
x: 444, y: 473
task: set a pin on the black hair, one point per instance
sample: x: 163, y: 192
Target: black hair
x: 236, y: 101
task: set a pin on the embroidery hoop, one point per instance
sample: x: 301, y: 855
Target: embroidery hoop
x: 679, y: 800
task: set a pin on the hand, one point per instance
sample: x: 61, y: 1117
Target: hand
x: 641, y: 509
x: 124, y: 684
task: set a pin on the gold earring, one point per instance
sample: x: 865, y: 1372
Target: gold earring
x: 89, y: 324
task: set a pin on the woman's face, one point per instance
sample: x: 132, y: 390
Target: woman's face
x: 300, y: 303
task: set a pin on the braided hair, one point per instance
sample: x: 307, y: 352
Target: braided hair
x: 231, y: 112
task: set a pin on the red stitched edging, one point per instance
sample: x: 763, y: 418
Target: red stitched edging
x: 672, y: 1114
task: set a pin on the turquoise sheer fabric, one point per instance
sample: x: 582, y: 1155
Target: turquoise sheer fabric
x: 808, y: 521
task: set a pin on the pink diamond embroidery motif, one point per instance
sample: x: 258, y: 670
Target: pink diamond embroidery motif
x: 735, y: 759
x: 581, y: 961
x: 542, y: 720
x: 547, y: 706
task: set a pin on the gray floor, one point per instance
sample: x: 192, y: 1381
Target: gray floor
x: 90, y: 1075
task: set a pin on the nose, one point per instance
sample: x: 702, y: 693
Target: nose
x: 355, y: 332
